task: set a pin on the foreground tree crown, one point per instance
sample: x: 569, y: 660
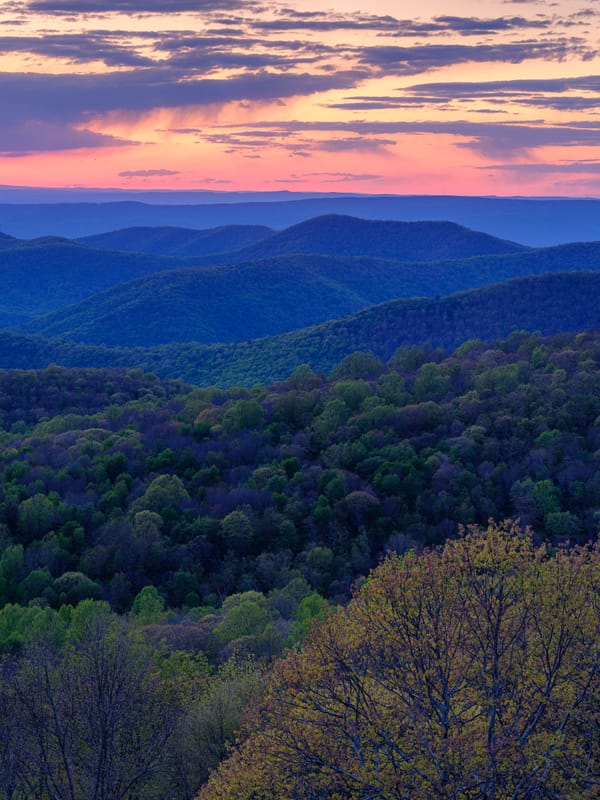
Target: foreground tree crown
x: 466, y: 672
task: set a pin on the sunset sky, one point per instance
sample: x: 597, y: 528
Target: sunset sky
x: 494, y: 97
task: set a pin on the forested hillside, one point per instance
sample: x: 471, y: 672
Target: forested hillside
x: 548, y: 303
x: 175, y: 516
x: 51, y: 273
x: 283, y: 293
x: 60, y: 288
x: 42, y: 275
x: 112, y: 481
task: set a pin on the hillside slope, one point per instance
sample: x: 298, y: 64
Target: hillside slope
x: 42, y: 275
x: 224, y: 304
x: 547, y: 303
x: 267, y: 297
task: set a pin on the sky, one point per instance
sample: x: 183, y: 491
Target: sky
x: 472, y: 97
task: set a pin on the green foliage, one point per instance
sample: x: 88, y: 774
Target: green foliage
x: 148, y: 606
x: 73, y: 586
x: 312, y: 607
x: 165, y: 492
x: 312, y: 478
x: 245, y: 614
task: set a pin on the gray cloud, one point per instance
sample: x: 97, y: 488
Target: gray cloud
x: 38, y: 136
x: 357, y: 143
x: 591, y: 185
x: 491, y: 139
x: 198, y: 54
x: 565, y: 94
x: 213, y: 180
x: 80, y: 97
x: 366, y: 103
x: 176, y: 69
x: 64, y: 104
x: 345, y: 176
x: 148, y: 173
x: 201, y: 54
x: 391, y: 60
x: 318, y: 21
x: 81, y: 48
x: 471, y: 26
x: 332, y: 177
x: 212, y: 59
x: 287, y: 140
x: 451, y: 90
x: 129, y: 6
x: 537, y: 167
x: 386, y: 24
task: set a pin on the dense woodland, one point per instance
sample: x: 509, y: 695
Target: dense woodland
x: 172, y: 287
x: 112, y: 481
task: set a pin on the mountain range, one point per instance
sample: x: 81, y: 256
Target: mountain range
x: 537, y: 222
x: 274, y: 293
x: 48, y: 273
x: 311, y: 293
x: 185, y: 242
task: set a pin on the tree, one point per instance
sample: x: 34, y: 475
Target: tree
x: 11, y: 742
x: 469, y: 672
x: 148, y: 606
x: 210, y: 725
x: 95, y: 714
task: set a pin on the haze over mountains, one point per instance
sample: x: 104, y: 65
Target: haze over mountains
x: 331, y: 234
x: 270, y: 296
x: 44, y: 275
x: 536, y: 222
x: 41, y: 275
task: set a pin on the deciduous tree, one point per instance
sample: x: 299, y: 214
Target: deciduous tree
x: 469, y: 672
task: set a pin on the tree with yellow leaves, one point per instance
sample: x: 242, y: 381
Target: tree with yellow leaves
x: 469, y: 672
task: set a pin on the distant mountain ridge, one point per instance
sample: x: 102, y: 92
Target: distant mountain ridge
x: 538, y: 222
x: 564, y: 302
x: 182, y: 242
x: 42, y: 275
x: 332, y: 234
x: 338, y: 235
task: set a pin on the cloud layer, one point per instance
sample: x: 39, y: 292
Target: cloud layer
x: 137, y: 75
